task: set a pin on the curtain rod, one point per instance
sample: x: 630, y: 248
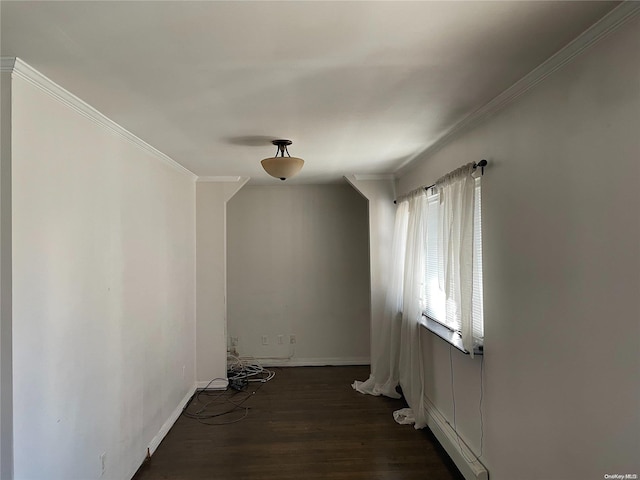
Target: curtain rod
x: 482, y: 163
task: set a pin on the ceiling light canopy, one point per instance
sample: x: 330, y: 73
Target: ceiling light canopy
x: 280, y: 166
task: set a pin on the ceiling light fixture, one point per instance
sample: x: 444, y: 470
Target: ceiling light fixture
x: 280, y: 166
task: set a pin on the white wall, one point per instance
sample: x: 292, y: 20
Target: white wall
x: 103, y: 293
x: 6, y: 382
x: 561, y: 241
x: 380, y: 194
x: 211, y: 282
x: 298, y: 264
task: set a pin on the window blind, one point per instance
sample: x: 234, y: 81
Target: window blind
x: 437, y: 306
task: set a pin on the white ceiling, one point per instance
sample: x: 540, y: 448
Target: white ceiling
x: 360, y: 87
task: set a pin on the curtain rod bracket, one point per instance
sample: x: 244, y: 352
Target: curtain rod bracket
x: 482, y: 163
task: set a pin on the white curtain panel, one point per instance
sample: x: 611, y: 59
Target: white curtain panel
x: 411, y: 366
x: 399, y: 358
x: 457, y: 204
x: 384, y: 366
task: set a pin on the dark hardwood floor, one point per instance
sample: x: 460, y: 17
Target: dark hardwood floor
x: 305, y: 424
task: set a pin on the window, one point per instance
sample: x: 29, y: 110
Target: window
x: 436, y: 304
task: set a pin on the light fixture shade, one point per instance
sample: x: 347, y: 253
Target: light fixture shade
x: 282, y: 167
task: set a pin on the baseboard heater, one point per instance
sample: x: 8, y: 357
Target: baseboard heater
x: 466, y: 461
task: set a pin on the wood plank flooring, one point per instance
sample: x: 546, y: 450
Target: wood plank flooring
x: 305, y: 424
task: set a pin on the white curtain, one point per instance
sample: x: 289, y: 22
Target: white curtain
x: 400, y: 361
x: 401, y: 358
x: 384, y: 369
x: 457, y: 205
x: 411, y: 365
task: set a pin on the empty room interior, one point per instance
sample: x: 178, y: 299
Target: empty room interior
x: 320, y: 240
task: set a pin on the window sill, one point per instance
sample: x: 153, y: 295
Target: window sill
x: 449, y: 336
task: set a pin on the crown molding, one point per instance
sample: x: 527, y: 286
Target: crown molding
x: 227, y: 179
x: 599, y: 30
x: 375, y: 176
x: 26, y: 72
x: 6, y: 64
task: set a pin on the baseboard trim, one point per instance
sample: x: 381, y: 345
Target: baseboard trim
x: 466, y: 461
x: 312, y: 362
x: 217, y: 384
x: 155, y: 442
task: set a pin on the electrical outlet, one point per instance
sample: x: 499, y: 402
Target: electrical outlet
x: 234, y: 341
x: 265, y: 340
x: 103, y: 462
x: 280, y: 339
x: 292, y: 339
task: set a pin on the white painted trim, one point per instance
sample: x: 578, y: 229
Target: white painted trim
x: 312, y: 362
x: 220, y: 179
x: 217, y: 384
x: 379, y: 176
x: 6, y: 64
x: 6, y: 283
x: 459, y: 452
x: 607, y: 24
x: 26, y: 72
x: 155, y: 441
